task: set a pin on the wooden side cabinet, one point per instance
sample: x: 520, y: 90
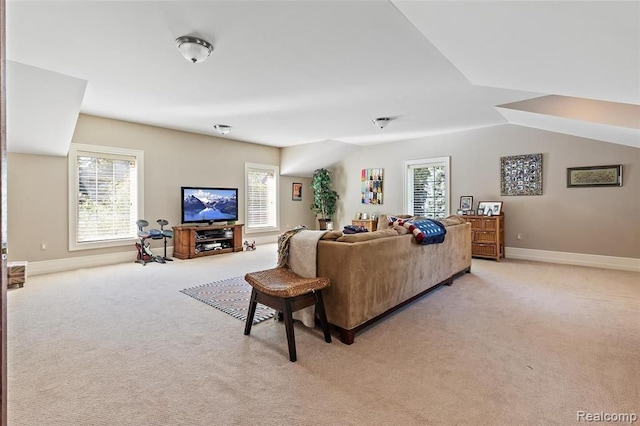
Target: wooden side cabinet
x: 370, y: 224
x: 191, y: 241
x: 487, y: 236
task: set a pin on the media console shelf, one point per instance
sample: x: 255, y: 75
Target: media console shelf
x: 191, y: 241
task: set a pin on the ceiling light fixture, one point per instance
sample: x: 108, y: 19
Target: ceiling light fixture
x: 381, y: 122
x: 223, y: 129
x: 194, y: 49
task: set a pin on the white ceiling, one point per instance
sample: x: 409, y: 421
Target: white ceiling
x: 287, y: 73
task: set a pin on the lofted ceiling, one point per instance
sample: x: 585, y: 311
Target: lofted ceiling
x: 287, y: 73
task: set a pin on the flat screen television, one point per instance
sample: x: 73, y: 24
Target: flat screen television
x: 203, y: 204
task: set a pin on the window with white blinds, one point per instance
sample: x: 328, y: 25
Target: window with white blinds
x: 427, y: 187
x: 262, y: 197
x: 105, y: 193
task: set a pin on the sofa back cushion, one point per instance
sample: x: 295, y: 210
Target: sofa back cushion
x: 366, y: 236
x: 383, y: 222
x: 331, y: 235
x: 453, y: 220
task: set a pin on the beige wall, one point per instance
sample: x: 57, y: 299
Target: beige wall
x: 37, y: 185
x: 601, y: 221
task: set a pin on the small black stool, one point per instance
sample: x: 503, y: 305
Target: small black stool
x: 284, y: 291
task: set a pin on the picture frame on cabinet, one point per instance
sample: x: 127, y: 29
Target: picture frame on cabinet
x: 466, y: 202
x: 494, y: 206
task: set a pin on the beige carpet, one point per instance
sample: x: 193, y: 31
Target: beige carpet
x: 512, y: 343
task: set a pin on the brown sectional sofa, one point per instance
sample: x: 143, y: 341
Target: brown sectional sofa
x: 380, y: 271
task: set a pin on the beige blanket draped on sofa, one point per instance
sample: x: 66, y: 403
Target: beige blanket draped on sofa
x: 303, y: 260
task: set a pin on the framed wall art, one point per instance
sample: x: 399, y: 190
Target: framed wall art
x: 580, y: 177
x: 521, y: 175
x: 296, y: 191
x: 371, y: 180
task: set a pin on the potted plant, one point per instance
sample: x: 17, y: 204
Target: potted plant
x: 324, y: 198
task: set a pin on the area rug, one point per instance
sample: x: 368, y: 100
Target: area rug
x: 231, y: 296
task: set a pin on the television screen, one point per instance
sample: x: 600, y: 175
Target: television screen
x: 201, y: 204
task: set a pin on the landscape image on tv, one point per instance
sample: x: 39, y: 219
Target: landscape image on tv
x: 209, y: 204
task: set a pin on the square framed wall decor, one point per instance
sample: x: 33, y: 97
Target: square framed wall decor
x: 521, y: 175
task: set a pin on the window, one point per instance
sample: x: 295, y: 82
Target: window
x: 426, y: 186
x: 262, y: 197
x: 105, y: 196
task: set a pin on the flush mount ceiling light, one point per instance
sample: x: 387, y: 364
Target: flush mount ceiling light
x: 194, y: 49
x: 381, y: 122
x: 223, y: 129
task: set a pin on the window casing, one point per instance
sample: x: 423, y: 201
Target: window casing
x: 261, y: 211
x: 105, y: 196
x: 427, y: 187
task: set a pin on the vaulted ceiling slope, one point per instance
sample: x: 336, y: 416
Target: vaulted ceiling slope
x: 288, y: 73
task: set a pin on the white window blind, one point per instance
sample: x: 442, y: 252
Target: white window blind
x: 427, y: 187
x: 262, y: 197
x: 104, y: 200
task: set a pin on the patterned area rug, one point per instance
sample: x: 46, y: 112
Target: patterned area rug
x: 231, y: 296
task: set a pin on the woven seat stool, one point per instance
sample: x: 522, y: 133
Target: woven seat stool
x: 284, y: 291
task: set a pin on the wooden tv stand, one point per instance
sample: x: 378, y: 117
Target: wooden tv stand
x: 191, y: 241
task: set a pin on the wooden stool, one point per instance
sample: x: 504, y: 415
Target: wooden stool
x: 284, y: 291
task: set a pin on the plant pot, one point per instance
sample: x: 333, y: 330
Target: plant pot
x: 323, y: 224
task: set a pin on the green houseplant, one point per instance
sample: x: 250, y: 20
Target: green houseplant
x: 324, y: 198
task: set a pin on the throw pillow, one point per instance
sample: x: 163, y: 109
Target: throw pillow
x: 331, y: 235
x: 453, y: 220
x: 400, y: 229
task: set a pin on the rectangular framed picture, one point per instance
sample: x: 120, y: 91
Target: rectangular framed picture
x: 371, y: 186
x: 466, y: 203
x: 495, y: 207
x: 296, y: 191
x: 579, y: 177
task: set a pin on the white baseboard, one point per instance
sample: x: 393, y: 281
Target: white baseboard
x: 592, y: 260
x: 261, y: 240
x: 71, y: 263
